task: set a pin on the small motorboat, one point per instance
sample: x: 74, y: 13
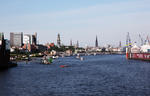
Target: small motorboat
x: 47, y: 60
x: 63, y: 66
x: 81, y: 58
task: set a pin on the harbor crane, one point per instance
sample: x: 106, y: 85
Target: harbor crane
x: 148, y: 40
x: 128, y: 40
x: 142, y: 42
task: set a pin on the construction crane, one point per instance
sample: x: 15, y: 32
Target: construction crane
x: 148, y: 40
x: 128, y: 40
x: 120, y: 44
x: 142, y: 42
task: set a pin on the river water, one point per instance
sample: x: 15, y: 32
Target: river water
x: 101, y: 75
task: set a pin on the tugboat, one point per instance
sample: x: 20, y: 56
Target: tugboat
x: 47, y: 59
x: 78, y: 56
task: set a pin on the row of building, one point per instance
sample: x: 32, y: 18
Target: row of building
x: 25, y: 41
x: 28, y: 42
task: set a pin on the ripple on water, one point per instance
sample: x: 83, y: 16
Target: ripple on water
x: 101, y: 75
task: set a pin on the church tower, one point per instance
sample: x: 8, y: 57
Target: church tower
x: 77, y: 43
x: 96, y: 42
x: 58, y: 40
x: 70, y: 42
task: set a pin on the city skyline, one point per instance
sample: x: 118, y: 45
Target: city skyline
x: 77, y: 20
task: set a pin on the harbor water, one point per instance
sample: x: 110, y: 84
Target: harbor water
x: 100, y: 75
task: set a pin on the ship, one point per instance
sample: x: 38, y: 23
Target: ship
x: 138, y: 52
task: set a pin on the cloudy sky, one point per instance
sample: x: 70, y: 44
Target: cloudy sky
x: 79, y: 20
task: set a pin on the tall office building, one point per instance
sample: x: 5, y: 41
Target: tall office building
x: 16, y: 39
x: 30, y: 39
x: 30, y: 42
x: 58, y: 40
x: 27, y: 39
x: 96, y: 42
x: 34, y: 39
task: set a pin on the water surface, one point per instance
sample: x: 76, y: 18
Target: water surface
x: 101, y: 75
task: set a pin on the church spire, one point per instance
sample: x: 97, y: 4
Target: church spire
x: 96, y: 42
x: 77, y: 43
x: 58, y: 40
x: 71, y: 42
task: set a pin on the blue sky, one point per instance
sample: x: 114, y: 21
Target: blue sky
x: 79, y: 20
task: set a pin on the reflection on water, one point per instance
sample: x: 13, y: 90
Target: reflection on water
x: 101, y: 75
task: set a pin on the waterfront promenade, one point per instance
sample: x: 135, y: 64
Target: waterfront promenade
x: 100, y: 75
